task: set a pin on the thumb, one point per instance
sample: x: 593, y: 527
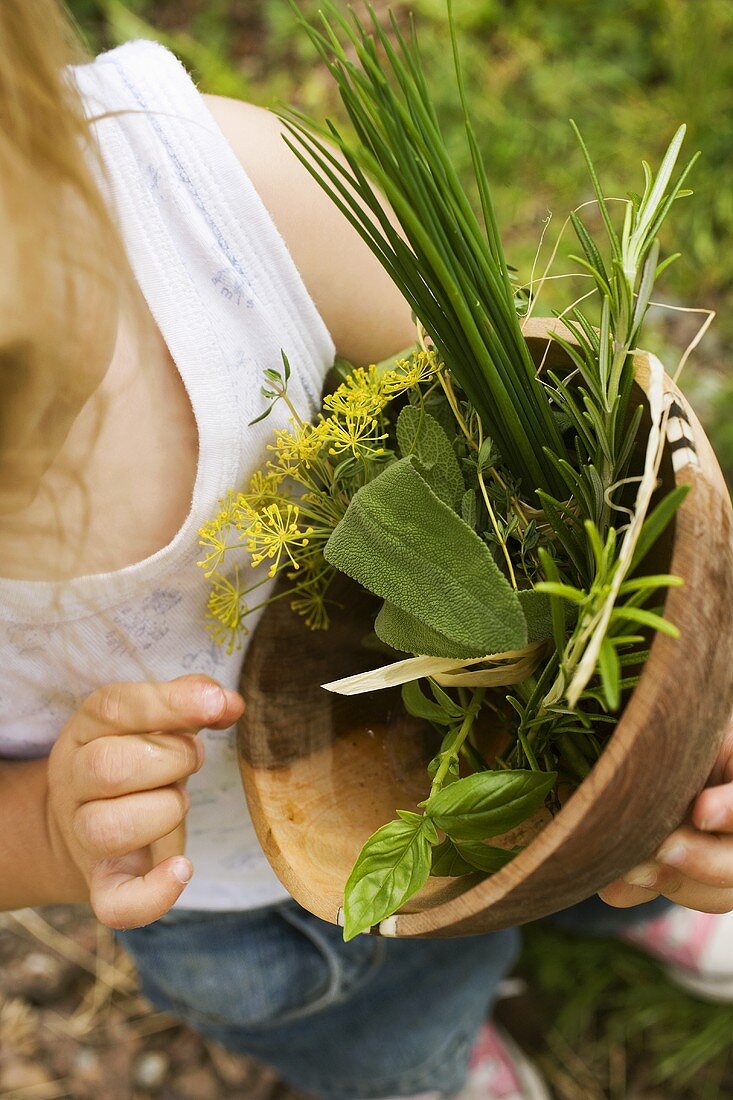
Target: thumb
x: 124, y: 893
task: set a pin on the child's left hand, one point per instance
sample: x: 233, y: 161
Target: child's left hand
x: 694, y: 865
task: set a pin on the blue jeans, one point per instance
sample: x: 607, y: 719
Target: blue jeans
x: 366, y: 1019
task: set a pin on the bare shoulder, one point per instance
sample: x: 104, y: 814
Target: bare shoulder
x: 362, y: 308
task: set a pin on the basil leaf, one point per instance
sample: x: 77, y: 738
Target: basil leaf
x: 444, y: 700
x: 416, y: 704
x: 400, y: 541
x: 451, y: 859
x: 420, y: 434
x: 392, y: 866
x: 485, y: 857
x: 488, y: 803
x: 448, y: 862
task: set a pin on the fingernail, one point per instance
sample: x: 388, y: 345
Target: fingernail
x: 674, y: 855
x: 645, y: 874
x: 213, y: 701
x: 713, y: 820
x: 233, y: 697
x: 183, y: 870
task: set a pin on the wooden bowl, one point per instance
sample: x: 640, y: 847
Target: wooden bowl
x: 321, y: 772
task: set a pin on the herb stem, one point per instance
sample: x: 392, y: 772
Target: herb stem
x: 456, y: 744
x: 490, y: 510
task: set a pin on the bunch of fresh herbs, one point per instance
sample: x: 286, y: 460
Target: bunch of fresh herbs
x: 484, y: 501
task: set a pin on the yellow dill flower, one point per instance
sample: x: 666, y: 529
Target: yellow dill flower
x: 298, y: 446
x: 420, y: 367
x: 310, y: 604
x: 351, y: 403
x: 213, y: 537
x: 362, y: 393
x: 367, y: 380
x: 275, y: 531
x: 359, y: 434
x: 263, y: 490
x: 226, y: 609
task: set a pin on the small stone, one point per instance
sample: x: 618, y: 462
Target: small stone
x: 234, y: 1069
x: 150, y: 1070
x: 38, y: 977
x: 197, y: 1084
x: 186, y: 1048
x: 87, y: 1066
x: 19, y: 1074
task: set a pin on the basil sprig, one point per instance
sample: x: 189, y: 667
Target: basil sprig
x: 398, y: 858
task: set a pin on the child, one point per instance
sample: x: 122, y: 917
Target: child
x: 160, y: 248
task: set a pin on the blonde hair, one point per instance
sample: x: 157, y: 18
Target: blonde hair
x: 61, y: 259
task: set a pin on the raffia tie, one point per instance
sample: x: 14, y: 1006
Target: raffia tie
x: 510, y: 667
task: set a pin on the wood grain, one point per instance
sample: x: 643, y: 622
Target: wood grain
x: 321, y: 772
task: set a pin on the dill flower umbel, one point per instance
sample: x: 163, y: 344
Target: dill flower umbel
x: 359, y: 433
x: 298, y: 446
x: 275, y: 531
x: 226, y: 609
x: 362, y: 393
x: 271, y: 514
x: 422, y: 366
x: 356, y: 407
x: 263, y: 490
x: 213, y: 537
x: 310, y: 603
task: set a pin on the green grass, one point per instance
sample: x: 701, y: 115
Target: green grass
x: 606, y: 1022
x: 628, y: 73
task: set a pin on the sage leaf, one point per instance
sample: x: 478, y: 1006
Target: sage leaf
x: 420, y: 434
x: 401, y: 630
x: 469, y: 508
x: 400, y: 541
x: 488, y: 803
x: 537, y: 608
x: 392, y: 866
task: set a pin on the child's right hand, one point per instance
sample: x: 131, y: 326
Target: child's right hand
x: 116, y: 786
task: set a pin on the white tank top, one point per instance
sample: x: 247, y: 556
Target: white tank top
x: 226, y: 295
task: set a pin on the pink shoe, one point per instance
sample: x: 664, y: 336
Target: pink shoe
x: 499, y: 1071
x: 697, y: 949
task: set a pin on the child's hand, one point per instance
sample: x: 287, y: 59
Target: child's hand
x: 700, y: 875
x: 115, y: 787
